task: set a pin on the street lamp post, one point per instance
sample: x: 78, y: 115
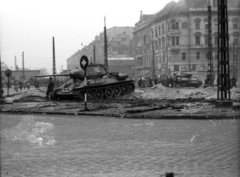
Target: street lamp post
x: 1, y: 94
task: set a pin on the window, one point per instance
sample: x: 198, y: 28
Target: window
x: 176, y: 67
x: 216, y: 40
x: 159, y: 29
x: 163, y: 58
x: 163, y: 29
x: 193, y: 67
x: 159, y: 41
x: 184, y: 25
x: 214, y: 3
x: 206, y: 40
x: 163, y: 42
x: 198, y: 55
x: 177, y: 40
x: 206, y: 23
x: 183, y: 56
x: 174, y: 24
x: 144, y: 39
x: 215, y: 21
x: 235, y: 23
x: 156, y: 60
x: 156, y: 44
x: 160, y: 59
x: 173, y: 41
x: 197, y: 38
x: 216, y: 55
x: 235, y: 40
x: 197, y: 25
x: 207, y: 53
x: 156, y: 31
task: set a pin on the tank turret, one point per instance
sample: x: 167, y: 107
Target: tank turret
x: 100, y: 84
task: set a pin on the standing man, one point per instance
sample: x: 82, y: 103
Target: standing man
x: 50, y: 87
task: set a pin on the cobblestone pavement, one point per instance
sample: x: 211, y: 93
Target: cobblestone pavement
x: 11, y: 91
x: 97, y: 146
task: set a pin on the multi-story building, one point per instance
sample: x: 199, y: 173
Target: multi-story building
x: 179, y: 33
x: 17, y: 74
x: 142, y: 45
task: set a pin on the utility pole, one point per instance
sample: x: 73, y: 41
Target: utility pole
x: 210, y: 73
x: 223, y: 52
x: 105, y: 46
x: 235, y: 66
x: 1, y: 94
x: 94, y: 54
x: 23, y: 74
x: 153, y: 60
x: 54, y: 63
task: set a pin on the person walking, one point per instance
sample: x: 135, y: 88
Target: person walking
x: 50, y: 87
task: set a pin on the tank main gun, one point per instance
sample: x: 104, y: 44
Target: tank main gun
x: 93, y: 70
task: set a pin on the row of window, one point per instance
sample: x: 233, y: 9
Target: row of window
x: 198, y: 40
x: 235, y: 24
x: 162, y: 59
x: 160, y: 43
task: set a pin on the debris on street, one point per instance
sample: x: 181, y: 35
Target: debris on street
x: 156, y: 100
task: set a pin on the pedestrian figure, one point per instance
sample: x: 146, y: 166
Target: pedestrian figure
x: 171, y: 82
x: 233, y: 82
x: 28, y: 86
x: 50, y: 87
x: 150, y: 82
x: 140, y: 82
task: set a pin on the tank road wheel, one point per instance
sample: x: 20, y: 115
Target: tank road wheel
x: 124, y: 89
x: 131, y: 88
x: 108, y: 93
x: 90, y: 95
x: 98, y: 94
x: 116, y: 91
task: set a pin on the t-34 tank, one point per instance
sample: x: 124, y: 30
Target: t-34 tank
x: 100, y: 84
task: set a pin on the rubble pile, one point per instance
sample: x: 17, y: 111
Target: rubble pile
x: 161, y: 92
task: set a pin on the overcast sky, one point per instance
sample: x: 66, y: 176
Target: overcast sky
x: 29, y: 25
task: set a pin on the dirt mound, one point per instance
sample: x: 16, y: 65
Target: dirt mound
x: 161, y: 92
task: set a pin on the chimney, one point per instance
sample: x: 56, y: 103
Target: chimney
x: 141, y: 15
x: 15, y: 62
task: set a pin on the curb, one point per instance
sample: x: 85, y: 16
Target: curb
x: 129, y: 116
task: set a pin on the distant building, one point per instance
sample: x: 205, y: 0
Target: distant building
x: 4, y: 67
x: 120, y: 45
x: 18, y: 75
x: 179, y: 34
x: 121, y: 65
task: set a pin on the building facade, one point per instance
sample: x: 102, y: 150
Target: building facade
x: 179, y: 38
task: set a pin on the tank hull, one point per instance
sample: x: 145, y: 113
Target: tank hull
x: 98, y: 92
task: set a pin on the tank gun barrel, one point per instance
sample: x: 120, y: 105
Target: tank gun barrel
x: 53, y: 75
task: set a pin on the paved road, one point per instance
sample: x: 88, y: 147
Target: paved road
x: 97, y: 146
x: 12, y: 91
